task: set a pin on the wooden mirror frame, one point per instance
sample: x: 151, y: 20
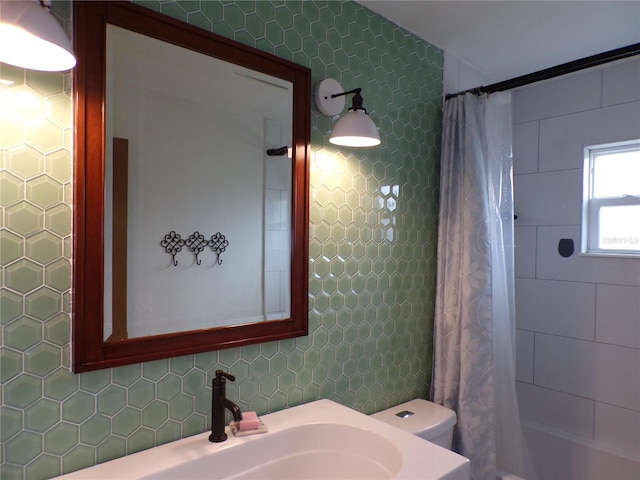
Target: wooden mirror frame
x: 89, y: 349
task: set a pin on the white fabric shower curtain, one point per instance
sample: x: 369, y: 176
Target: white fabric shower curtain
x: 474, y: 330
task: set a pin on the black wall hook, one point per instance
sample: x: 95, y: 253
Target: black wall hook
x: 218, y: 244
x: 196, y: 244
x: 278, y: 152
x: 172, y: 243
x: 565, y: 247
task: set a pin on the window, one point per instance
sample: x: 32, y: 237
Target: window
x: 611, y: 199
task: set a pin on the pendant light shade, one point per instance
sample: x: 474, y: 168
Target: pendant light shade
x: 30, y: 37
x: 355, y: 129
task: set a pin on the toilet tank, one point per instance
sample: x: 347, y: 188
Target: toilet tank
x: 425, y: 419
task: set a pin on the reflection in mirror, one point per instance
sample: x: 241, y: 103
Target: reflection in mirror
x: 156, y: 91
x: 191, y: 220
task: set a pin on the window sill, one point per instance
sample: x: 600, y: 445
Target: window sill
x: 610, y: 255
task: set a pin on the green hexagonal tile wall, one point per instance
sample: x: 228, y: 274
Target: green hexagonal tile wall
x: 372, y: 252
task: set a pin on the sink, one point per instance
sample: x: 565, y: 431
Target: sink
x: 318, y: 440
x: 338, y: 451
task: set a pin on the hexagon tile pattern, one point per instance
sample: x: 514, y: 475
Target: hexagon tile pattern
x: 372, y: 251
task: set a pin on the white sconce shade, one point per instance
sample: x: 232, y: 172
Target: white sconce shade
x: 355, y: 129
x: 30, y: 37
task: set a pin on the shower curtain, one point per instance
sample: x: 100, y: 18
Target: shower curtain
x: 474, y: 330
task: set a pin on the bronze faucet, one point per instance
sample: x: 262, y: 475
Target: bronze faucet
x: 219, y: 404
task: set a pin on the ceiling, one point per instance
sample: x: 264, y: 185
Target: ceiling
x: 507, y: 39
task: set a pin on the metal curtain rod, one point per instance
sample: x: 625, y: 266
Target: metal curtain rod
x: 558, y: 70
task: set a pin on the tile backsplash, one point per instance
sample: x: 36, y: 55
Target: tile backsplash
x: 372, y: 250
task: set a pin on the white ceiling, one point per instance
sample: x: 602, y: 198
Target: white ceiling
x: 507, y: 39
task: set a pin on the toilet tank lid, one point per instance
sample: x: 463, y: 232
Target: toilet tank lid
x: 427, y: 417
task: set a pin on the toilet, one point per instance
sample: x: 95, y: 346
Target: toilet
x: 425, y: 419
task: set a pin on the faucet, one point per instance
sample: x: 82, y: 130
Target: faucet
x: 219, y: 403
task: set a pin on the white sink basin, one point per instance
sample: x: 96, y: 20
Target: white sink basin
x: 318, y: 440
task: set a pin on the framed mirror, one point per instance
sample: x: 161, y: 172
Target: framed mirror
x: 190, y: 190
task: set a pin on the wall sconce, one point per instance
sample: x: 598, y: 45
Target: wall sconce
x: 355, y: 129
x: 30, y: 37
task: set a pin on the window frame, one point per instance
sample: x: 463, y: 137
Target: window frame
x: 591, y: 206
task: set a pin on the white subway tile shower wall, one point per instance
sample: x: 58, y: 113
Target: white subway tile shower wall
x: 578, y: 318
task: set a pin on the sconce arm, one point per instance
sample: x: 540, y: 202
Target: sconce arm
x: 355, y: 90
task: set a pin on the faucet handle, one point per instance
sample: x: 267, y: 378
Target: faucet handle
x: 221, y: 373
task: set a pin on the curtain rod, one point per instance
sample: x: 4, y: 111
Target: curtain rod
x: 558, y: 70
